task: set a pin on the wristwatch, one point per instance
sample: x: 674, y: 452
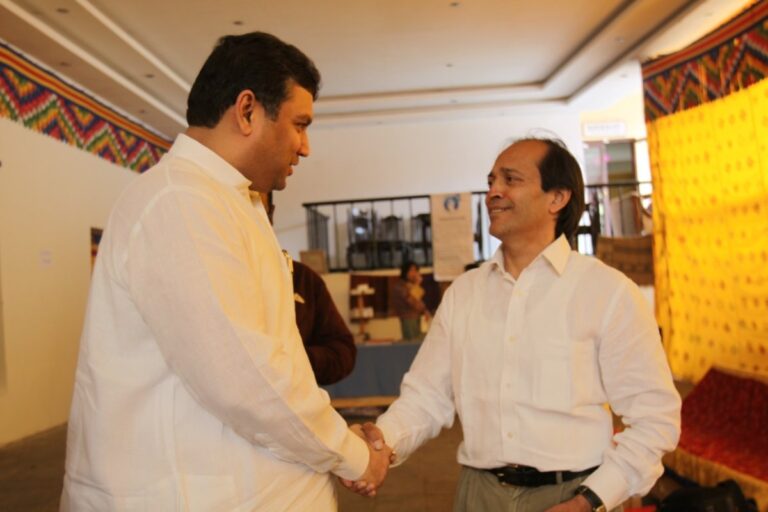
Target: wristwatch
x: 594, y: 500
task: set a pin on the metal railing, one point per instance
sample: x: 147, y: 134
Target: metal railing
x: 382, y: 232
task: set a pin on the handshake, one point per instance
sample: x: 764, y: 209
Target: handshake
x: 381, y: 456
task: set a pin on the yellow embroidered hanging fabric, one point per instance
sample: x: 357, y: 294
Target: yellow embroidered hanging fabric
x: 710, y: 174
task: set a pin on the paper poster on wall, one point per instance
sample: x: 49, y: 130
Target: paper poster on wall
x: 452, y: 237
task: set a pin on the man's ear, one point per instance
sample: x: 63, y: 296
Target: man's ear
x: 248, y: 112
x: 560, y: 198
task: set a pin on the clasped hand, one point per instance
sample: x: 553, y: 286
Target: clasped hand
x: 381, y: 456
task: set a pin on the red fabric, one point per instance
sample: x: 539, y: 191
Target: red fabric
x: 725, y: 420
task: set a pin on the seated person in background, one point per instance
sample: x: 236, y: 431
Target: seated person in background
x: 408, y: 301
x: 327, y: 340
x: 329, y: 344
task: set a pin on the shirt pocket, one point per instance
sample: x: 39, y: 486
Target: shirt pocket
x: 564, y: 374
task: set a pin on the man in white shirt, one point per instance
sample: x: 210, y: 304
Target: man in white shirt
x: 193, y: 390
x: 529, y: 347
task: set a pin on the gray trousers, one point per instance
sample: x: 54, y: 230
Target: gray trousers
x: 480, y: 491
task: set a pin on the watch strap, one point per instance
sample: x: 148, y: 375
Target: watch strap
x: 594, y: 500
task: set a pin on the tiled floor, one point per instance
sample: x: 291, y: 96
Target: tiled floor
x: 31, y: 474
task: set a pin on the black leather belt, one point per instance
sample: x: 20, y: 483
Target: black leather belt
x: 527, y: 476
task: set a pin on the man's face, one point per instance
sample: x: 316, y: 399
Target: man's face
x: 282, y: 141
x: 517, y: 206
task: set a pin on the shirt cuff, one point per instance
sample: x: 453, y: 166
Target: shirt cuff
x: 389, y: 439
x: 609, y: 484
x: 355, y: 457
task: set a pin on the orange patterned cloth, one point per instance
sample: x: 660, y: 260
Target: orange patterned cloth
x: 725, y: 420
x: 725, y: 434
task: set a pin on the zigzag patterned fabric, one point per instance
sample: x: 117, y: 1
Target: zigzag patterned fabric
x: 43, y: 102
x: 727, y: 60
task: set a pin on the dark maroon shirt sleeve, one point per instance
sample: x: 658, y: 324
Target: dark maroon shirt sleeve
x: 329, y: 344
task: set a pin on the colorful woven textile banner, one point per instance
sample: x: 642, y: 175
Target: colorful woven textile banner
x: 729, y: 59
x: 709, y: 162
x: 45, y: 103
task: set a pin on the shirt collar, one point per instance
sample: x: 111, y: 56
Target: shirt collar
x: 556, y: 254
x: 211, y: 163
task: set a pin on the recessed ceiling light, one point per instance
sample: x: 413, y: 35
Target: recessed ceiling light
x: 62, y: 10
x: 149, y: 75
x: 238, y: 22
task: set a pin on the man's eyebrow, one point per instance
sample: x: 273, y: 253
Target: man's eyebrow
x: 509, y: 170
x: 304, y: 118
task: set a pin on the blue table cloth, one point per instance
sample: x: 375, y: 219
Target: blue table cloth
x: 379, y: 369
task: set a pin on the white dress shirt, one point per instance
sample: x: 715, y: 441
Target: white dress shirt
x: 528, y: 365
x: 193, y: 390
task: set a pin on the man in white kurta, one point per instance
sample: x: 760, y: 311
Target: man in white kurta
x: 193, y: 390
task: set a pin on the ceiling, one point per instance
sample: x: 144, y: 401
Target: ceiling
x: 379, y: 59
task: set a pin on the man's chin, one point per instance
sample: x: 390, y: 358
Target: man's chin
x: 280, y: 184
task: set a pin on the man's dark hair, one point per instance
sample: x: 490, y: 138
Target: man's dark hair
x: 405, y: 268
x: 257, y: 62
x: 560, y: 170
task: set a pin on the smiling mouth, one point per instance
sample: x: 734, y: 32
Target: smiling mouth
x: 498, y: 209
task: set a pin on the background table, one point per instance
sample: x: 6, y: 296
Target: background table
x: 379, y: 369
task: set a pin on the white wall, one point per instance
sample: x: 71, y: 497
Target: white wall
x: 405, y: 158
x: 51, y: 194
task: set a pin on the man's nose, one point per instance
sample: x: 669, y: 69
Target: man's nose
x: 494, y: 190
x: 304, y: 148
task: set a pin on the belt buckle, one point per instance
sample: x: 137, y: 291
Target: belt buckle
x: 501, y: 476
